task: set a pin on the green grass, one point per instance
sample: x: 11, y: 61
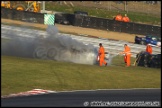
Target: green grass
x: 103, y: 13
x: 24, y: 74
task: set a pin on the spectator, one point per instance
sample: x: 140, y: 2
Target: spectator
x: 126, y: 19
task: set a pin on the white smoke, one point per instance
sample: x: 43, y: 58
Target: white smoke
x: 63, y: 48
x: 54, y: 47
x: 110, y: 58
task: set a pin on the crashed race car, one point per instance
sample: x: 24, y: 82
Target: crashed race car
x: 148, y: 60
x: 148, y: 39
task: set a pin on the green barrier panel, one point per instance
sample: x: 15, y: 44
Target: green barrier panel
x: 49, y: 19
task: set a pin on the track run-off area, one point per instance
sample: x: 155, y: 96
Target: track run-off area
x: 111, y: 46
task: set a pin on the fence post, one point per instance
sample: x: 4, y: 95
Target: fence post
x: 125, y: 5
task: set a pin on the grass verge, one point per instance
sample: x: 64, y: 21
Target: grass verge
x: 24, y: 74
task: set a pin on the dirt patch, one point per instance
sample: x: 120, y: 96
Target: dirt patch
x: 78, y: 30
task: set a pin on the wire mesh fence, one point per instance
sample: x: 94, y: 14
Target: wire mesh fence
x: 148, y: 7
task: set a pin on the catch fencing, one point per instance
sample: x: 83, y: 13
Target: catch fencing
x: 147, y: 7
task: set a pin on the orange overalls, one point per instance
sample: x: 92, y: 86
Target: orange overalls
x: 126, y: 19
x: 101, y: 53
x: 149, y: 49
x: 118, y: 18
x: 127, y: 56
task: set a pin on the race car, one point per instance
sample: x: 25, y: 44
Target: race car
x: 148, y: 39
x: 148, y: 60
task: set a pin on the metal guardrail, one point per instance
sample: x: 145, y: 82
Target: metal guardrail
x: 111, y: 46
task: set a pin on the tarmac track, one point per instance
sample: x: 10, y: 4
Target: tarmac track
x: 128, y: 97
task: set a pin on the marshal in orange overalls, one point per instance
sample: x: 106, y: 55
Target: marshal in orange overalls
x: 101, y: 54
x: 119, y: 17
x: 126, y: 19
x: 149, y: 49
x: 127, y: 57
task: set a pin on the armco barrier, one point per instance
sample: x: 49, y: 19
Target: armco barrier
x: 85, y: 21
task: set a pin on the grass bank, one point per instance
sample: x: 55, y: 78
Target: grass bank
x: 24, y: 74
